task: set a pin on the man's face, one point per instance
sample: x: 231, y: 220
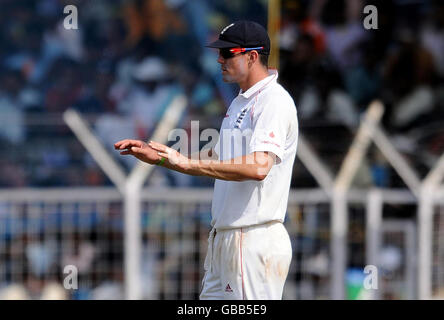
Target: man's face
x: 234, y: 69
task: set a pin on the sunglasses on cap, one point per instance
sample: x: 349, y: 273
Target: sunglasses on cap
x: 230, y: 53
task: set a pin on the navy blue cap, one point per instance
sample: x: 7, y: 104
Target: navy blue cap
x: 245, y: 34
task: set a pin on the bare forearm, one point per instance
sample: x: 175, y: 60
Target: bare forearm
x: 249, y: 167
x: 205, y: 154
x: 254, y: 166
x: 230, y: 171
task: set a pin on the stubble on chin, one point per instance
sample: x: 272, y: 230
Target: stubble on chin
x: 240, y: 73
x: 228, y: 78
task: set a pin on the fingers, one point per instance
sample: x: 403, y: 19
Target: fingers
x: 133, y: 147
x: 158, y: 146
x: 134, y: 151
x: 127, y: 143
x: 120, y: 143
x: 139, y: 149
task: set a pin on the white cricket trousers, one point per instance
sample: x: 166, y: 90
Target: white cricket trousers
x: 247, y: 263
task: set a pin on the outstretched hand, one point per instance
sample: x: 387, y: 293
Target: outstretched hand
x: 173, y: 156
x: 138, y: 149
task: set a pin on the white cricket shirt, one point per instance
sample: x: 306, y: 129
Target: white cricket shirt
x: 263, y: 118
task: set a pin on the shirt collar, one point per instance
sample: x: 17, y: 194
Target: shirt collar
x: 272, y: 78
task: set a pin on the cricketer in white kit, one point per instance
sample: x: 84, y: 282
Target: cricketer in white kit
x: 249, y: 249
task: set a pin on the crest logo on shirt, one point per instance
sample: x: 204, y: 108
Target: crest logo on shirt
x: 271, y: 134
x: 228, y: 288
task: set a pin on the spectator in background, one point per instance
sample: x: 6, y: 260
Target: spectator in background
x: 432, y: 34
x: 95, y: 98
x: 341, y: 22
x: 409, y: 75
x: 11, y: 107
x: 152, y: 18
x: 144, y: 97
x: 54, y: 291
x: 363, y: 81
x: 152, y: 90
x: 41, y: 256
x: 14, y: 292
x: 298, y: 68
x: 23, y: 32
x: 112, y: 288
x: 81, y: 253
x: 163, y: 30
x: 12, y: 127
x: 324, y: 97
x: 298, y: 21
x: 325, y: 47
x: 65, y: 86
x: 14, y: 98
x: 141, y: 104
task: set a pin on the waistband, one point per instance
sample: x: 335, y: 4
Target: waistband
x: 246, y: 228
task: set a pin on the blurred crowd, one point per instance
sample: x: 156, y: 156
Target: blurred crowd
x: 129, y: 58
x: 334, y: 68
x: 77, y: 251
x: 127, y: 61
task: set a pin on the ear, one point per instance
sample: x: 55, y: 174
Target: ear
x: 253, y: 57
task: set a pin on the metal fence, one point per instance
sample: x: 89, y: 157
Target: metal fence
x: 43, y: 231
